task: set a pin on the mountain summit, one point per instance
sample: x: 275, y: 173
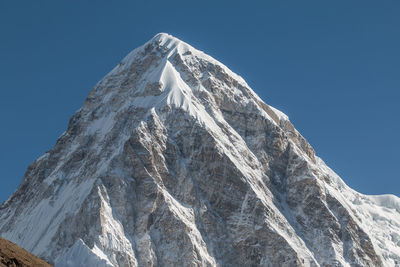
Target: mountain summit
x: 174, y: 161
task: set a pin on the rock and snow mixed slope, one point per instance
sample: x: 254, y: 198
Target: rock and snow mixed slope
x: 174, y: 161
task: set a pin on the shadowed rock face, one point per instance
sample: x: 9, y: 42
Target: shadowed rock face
x: 174, y: 161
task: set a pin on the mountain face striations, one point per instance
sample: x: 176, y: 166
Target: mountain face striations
x: 174, y: 161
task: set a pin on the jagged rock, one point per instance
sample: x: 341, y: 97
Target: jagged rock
x: 174, y: 161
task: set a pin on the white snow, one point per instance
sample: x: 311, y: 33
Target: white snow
x: 40, y: 223
x: 80, y: 255
x: 280, y: 114
x: 102, y: 125
x: 379, y: 216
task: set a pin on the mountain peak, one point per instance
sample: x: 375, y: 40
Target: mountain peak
x: 174, y: 160
x: 167, y: 42
x: 167, y: 71
x: 164, y: 37
x: 167, y: 46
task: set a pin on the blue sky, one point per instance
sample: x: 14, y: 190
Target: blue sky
x: 332, y: 66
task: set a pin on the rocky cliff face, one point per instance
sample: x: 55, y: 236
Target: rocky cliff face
x: 174, y: 161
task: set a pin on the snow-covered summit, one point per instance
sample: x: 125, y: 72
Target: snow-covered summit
x: 171, y: 45
x: 173, y: 160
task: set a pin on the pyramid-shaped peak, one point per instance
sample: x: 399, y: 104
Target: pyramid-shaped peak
x: 166, y: 46
x: 162, y: 36
x: 169, y: 42
x: 174, y: 159
x: 166, y: 70
x: 161, y: 42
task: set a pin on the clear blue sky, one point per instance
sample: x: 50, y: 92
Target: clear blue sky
x: 332, y: 66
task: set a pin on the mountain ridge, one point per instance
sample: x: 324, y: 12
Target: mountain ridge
x: 174, y: 160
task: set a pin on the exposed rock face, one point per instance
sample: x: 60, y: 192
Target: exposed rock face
x: 174, y: 161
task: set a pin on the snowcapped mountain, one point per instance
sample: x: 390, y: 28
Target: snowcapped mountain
x: 174, y: 161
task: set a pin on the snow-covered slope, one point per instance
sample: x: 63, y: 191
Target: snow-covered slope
x: 174, y: 161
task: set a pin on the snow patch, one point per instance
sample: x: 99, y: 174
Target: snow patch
x: 81, y: 255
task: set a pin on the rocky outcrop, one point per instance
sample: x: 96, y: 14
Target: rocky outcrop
x: 174, y: 161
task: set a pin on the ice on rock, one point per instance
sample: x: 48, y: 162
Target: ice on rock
x: 173, y: 160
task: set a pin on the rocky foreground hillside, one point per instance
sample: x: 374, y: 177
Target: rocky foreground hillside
x: 12, y: 255
x: 173, y: 160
